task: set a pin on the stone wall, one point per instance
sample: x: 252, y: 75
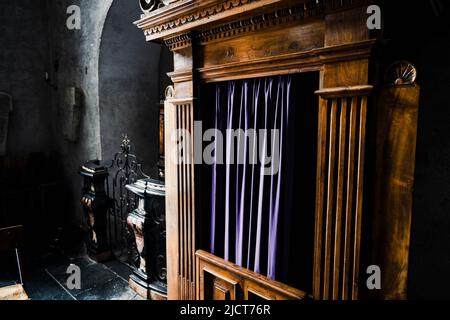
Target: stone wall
x: 129, y: 86
x: 118, y: 73
x: 24, y: 58
x: 74, y: 60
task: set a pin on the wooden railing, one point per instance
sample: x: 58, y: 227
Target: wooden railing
x: 223, y: 280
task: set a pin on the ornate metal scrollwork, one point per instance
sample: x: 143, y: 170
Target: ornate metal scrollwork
x: 401, y: 73
x: 150, y: 5
x: 124, y: 169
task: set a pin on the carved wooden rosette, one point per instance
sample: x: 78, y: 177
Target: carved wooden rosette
x: 218, y: 40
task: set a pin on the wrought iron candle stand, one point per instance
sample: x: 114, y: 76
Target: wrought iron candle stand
x: 149, y: 226
x: 96, y: 203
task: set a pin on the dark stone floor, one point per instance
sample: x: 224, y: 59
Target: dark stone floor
x: 45, y: 278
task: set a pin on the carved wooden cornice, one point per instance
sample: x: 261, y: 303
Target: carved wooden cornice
x: 311, y: 60
x: 280, y: 16
x: 184, y: 15
x: 173, y: 22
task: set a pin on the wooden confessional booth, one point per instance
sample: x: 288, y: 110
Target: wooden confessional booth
x: 354, y: 136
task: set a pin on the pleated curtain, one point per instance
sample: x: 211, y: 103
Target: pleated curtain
x: 250, y: 200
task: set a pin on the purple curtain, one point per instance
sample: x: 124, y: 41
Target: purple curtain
x: 249, y: 207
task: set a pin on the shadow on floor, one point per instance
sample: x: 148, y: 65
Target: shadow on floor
x: 46, y: 278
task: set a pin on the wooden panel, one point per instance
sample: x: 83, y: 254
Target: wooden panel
x: 182, y: 59
x: 217, y: 285
x: 350, y: 59
x: 220, y: 279
x: 348, y: 73
x: 253, y: 294
x: 221, y: 292
x: 340, y: 174
x: 172, y: 222
x: 341, y: 27
x: 288, y: 39
x: 396, y: 148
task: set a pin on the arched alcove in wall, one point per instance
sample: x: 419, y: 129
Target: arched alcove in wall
x: 132, y: 77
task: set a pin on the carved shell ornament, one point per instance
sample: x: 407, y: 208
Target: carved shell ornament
x: 400, y: 73
x: 170, y: 92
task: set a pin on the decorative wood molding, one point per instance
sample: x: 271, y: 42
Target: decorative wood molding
x: 181, y: 16
x: 181, y: 75
x: 304, y: 11
x: 344, y: 92
x: 179, y: 42
x: 184, y: 15
x: 312, y: 60
x: 181, y: 102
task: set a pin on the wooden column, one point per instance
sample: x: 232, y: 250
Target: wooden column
x: 180, y: 203
x: 340, y: 162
